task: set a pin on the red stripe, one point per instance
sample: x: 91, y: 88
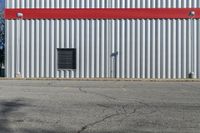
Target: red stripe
x: 106, y: 13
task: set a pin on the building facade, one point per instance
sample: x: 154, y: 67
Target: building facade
x: 131, y: 47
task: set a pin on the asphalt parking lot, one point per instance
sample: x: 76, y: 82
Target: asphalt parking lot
x: 99, y: 107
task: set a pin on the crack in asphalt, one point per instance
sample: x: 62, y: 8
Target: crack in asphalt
x: 155, y: 109
x: 104, y: 106
x: 124, y: 109
x: 116, y: 99
x: 83, y: 91
x: 120, y: 111
x: 85, y: 127
x: 96, y: 122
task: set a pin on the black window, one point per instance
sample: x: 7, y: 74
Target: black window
x: 67, y: 58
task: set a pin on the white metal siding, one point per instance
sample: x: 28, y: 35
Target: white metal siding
x: 158, y: 48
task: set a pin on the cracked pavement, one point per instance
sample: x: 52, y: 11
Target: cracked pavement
x: 33, y: 106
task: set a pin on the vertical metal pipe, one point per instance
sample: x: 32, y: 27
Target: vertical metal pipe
x: 192, y: 46
x: 192, y: 15
x: 19, y: 41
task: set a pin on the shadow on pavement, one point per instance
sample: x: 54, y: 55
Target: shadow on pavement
x: 6, y: 108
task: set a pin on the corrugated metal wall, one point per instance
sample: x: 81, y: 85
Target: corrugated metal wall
x: 105, y: 48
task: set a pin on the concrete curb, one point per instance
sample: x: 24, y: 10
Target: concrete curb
x: 107, y: 79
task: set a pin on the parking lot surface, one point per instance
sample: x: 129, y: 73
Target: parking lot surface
x: 54, y: 106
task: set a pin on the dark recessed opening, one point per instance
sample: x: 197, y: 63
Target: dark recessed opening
x: 66, y: 58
